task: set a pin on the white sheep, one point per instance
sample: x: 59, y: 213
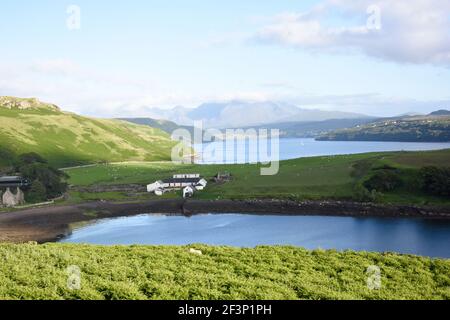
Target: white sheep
x: 194, y: 251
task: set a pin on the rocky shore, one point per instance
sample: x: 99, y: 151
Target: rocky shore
x: 51, y: 223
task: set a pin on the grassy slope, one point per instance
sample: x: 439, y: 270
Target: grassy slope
x: 307, y: 178
x: 68, y: 139
x: 147, y: 272
x: 165, y: 125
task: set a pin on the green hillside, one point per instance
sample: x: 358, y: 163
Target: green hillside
x: 66, y: 139
x: 432, y: 128
x: 164, y: 125
x: 164, y: 272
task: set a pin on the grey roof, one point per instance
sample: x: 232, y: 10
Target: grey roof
x: 11, y: 179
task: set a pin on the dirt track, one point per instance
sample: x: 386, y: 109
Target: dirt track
x: 51, y: 223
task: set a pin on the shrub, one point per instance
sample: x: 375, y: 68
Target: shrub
x: 383, y: 180
x: 51, y: 178
x: 436, y: 181
x: 360, y: 193
x: 37, y: 192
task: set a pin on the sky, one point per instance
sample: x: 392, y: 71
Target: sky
x: 118, y: 58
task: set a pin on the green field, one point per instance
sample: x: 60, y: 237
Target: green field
x: 147, y: 272
x: 66, y: 139
x: 331, y: 177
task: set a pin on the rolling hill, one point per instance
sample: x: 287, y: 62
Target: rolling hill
x: 434, y: 127
x: 165, y: 125
x: 66, y: 139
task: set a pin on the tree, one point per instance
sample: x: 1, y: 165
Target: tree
x: 383, y: 180
x: 436, y: 181
x: 360, y: 193
x: 34, y: 167
x: 52, y: 179
x: 37, y: 192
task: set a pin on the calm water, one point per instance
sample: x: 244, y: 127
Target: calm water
x: 220, y: 152
x: 414, y: 236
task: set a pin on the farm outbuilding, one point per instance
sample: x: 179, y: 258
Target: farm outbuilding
x: 9, y: 198
x: 178, y: 182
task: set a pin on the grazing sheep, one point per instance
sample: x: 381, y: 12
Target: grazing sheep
x: 197, y: 252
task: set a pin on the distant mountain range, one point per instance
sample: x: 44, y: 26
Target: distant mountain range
x: 410, y: 127
x: 236, y: 114
x: 434, y: 127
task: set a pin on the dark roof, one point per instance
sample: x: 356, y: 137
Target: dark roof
x: 182, y: 180
x: 11, y: 179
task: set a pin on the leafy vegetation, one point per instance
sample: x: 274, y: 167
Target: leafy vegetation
x: 436, y: 181
x: 384, y: 180
x: 46, y: 182
x: 331, y: 177
x: 66, y: 139
x: 419, y: 129
x: 164, y: 272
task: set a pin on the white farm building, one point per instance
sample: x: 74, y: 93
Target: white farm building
x: 188, y: 182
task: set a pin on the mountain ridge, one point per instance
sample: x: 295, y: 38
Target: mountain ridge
x: 236, y: 113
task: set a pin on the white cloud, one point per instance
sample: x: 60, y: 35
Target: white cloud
x: 412, y: 31
x: 55, y: 66
x: 91, y: 92
x: 371, y: 103
x: 86, y: 91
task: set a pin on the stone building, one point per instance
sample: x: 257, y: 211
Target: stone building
x: 9, y: 199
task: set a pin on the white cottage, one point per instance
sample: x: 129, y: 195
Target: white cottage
x: 178, y: 182
x: 188, y: 192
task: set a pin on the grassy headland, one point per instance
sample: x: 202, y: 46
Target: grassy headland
x: 431, y: 128
x: 156, y: 272
x: 317, y: 178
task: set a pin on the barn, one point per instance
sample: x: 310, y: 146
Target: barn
x: 178, y: 182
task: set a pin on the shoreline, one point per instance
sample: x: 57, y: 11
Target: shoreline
x: 49, y: 224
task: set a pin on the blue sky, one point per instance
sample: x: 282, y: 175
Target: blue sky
x: 130, y: 55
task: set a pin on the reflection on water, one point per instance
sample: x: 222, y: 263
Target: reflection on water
x: 414, y: 236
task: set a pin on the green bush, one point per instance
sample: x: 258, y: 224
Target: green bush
x: 52, y: 179
x: 361, y: 194
x: 37, y: 192
x: 436, y: 181
x: 384, y: 180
